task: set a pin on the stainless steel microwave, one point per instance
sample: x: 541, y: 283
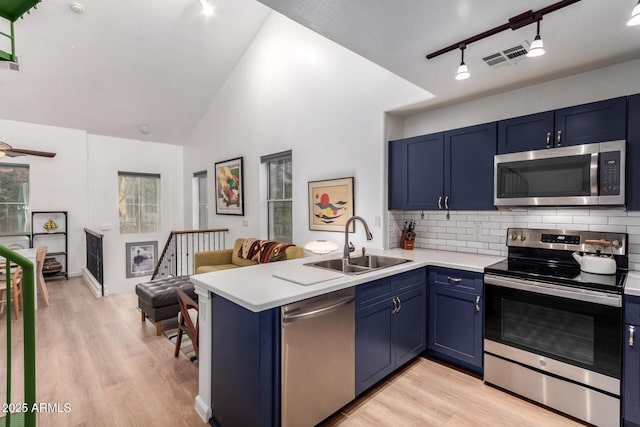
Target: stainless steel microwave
x: 579, y: 175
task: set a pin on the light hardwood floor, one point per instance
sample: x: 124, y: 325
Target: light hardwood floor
x: 96, y: 355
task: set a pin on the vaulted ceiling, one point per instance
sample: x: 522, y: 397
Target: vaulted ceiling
x: 125, y: 64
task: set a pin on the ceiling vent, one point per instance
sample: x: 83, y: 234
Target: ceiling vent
x: 509, y: 56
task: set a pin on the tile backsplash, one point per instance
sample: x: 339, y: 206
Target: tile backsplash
x: 484, y: 232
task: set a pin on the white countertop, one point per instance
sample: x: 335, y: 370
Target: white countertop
x: 255, y: 288
x: 632, y: 286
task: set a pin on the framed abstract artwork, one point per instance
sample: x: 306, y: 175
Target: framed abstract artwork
x: 331, y: 204
x: 229, y: 187
x: 141, y: 258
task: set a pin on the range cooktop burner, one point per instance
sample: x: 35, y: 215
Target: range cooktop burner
x: 567, y: 275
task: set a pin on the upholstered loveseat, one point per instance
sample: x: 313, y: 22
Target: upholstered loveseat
x: 224, y: 259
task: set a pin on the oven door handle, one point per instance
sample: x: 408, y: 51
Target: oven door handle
x: 555, y: 290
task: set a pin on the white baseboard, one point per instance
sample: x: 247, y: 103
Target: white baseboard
x: 203, y: 409
x: 92, y: 283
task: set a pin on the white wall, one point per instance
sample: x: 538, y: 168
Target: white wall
x: 106, y: 156
x: 294, y: 89
x: 485, y: 231
x: 604, y: 83
x: 57, y: 183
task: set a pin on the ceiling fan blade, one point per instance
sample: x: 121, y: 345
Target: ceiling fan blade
x: 21, y: 152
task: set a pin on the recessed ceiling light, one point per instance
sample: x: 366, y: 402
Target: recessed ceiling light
x: 207, y: 9
x: 77, y: 8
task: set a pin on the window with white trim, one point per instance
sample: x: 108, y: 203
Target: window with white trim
x: 139, y: 202
x: 14, y: 198
x: 279, y: 195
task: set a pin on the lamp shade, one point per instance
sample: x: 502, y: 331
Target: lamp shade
x: 635, y: 16
x: 320, y: 246
x: 537, y: 48
x: 463, y: 72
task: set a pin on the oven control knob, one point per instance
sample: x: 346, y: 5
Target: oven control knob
x: 523, y: 237
x: 616, y: 244
x: 514, y: 237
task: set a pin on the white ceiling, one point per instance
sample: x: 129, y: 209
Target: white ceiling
x: 128, y: 63
x: 123, y: 64
x: 399, y: 34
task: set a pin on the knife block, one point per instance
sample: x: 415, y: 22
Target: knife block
x: 407, y: 240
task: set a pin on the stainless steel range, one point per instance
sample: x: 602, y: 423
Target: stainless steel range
x: 553, y: 331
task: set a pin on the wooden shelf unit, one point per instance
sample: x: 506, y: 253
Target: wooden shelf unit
x: 59, y: 217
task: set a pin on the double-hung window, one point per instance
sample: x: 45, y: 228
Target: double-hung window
x: 14, y: 198
x: 279, y: 195
x: 139, y: 202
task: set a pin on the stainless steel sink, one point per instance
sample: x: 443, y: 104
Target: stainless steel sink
x: 359, y: 265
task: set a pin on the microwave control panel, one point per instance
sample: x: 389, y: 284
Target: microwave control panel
x: 609, y: 179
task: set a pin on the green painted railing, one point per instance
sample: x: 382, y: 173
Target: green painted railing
x: 26, y: 416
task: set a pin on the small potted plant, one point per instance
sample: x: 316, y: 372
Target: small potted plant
x: 50, y: 226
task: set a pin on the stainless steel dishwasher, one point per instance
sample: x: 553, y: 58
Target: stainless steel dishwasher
x: 318, y: 357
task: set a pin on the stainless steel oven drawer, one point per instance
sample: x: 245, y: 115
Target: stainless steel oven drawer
x: 578, y: 401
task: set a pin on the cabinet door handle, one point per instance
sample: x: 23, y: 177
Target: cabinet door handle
x: 559, y: 139
x: 548, y: 139
x: 632, y: 331
x: 395, y: 306
x: 478, y: 303
x: 446, y: 202
x: 454, y: 279
x: 399, y: 304
x: 440, y: 202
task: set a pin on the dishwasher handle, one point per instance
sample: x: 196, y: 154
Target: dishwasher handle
x: 288, y: 318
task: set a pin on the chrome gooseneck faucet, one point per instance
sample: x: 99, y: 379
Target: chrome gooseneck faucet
x: 348, y: 246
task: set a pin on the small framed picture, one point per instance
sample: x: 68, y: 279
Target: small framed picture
x: 141, y: 258
x: 331, y: 204
x: 229, y: 187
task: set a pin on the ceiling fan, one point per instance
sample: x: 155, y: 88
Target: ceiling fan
x: 9, y: 151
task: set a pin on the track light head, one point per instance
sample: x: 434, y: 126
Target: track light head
x: 463, y: 70
x: 537, y: 47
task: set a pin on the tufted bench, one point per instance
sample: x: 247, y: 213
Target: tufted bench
x: 158, y: 300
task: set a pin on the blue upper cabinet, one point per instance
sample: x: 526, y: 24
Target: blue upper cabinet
x: 445, y: 170
x: 581, y: 124
x: 594, y: 122
x: 468, y: 160
x: 416, y: 172
x: 633, y: 154
x: 532, y: 132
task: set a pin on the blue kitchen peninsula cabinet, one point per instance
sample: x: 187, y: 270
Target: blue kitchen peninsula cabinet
x: 445, y: 170
x: 455, y: 332
x: 245, y: 365
x: 633, y: 154
x: 631, y: 362
x: 581, y: 124
x: 390, y: 325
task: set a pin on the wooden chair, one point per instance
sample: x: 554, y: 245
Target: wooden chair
x: 41, y: 253
x: 16, y: 292
x: 188, y: 322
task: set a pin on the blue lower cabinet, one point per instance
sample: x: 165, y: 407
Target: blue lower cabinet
x: 631, y: 363
x: 455, y: 324
x: 390, y: 326
x: 245, y: 363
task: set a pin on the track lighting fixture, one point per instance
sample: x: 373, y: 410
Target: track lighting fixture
x: 207, y: 9
x: 537, y: 47
x: 463, y: 70
x: 635, y: 15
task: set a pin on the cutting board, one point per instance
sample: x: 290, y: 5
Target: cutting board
x: 303, y: 275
